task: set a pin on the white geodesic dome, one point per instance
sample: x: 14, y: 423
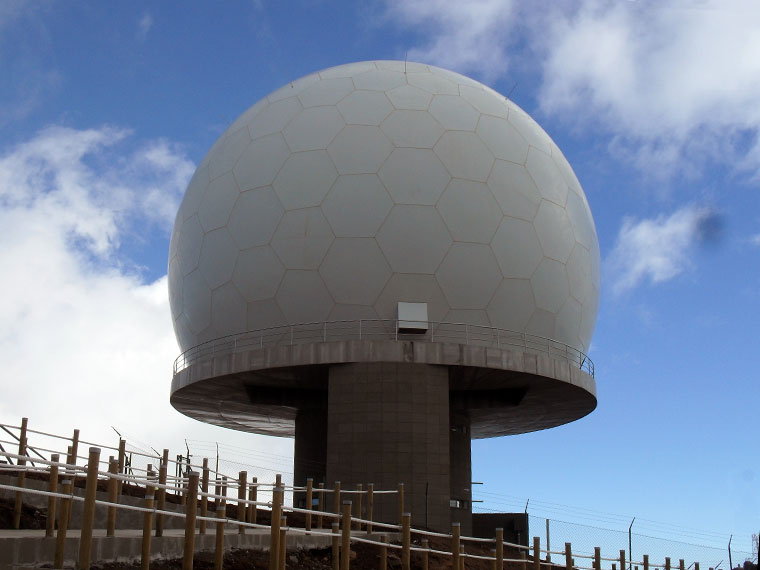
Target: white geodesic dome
x: 366, y: 184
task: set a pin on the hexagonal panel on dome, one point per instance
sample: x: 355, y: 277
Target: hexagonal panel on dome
x: 580, y: 216
x: 303, y: 297
x: 529, y: 129
x: 263, y: 315
x: 195, y: 191
x: 359, y: 149
x: 258, y: 272
x: 568, y: 323
x: 550, y: 286
x: 379, y: 79
x: 326, y: 92
x: 313, y: 128
x: 548, y: 178
x: 410, y: 97
x: 468, y: 316
x: 468, y: 276
x: 554, y: 231
x: 365, y: 108
x: 464, y: 155
x: 357, y: 205
x: 414, y: 176
x: 228, y: 151
x: 402, y: 66
x: 341, y: 312
x: 542, y: 323
x: 216, y: 204
x: 348, y: 69
x: 484, y: 101
x: 416, y: 129
x: 454, y: 113
x: 217, y: 259
x: 502, y: 139
x: 189, y: 245
x: 578, y: 271
x: 261, y: 161
x: 175, y: 294
x: 302, y: 238
x: 514, y: 190
x: 512, y: 305
x: 434, y: 84
x: 354, y: 271
x: 197, y: 297
x: 305, y: 179
x: 412, y: 288
x: 517, y: 248
x: 406, y: 247
x: 274, y: 117
x: 254, y: 217
x: 470, y: 211
x: 293, y: 88
x: 228, y: 310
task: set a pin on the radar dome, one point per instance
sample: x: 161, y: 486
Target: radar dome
x: 368, y: 184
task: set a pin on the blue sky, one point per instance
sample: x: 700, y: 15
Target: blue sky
x: 105, y: 108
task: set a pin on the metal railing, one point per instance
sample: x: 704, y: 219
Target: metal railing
x: 382, y: 329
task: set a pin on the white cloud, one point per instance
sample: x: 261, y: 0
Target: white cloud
x: 86, y: 343
x: 658, y: 249
x: 144, y: 25
x: 465, y: 36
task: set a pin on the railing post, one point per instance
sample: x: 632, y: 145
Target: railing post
x: 400, y: 503
x: 191, y: 507
x: 309, y: 506
x: 63, y: 523
x: 283, y: 542
x: 336, y: 546
x: 113, y: 497
x: 88, y: 512
x: 667, y: 563
x: 568, y: 556
x: 370, y: 505
x: 20, y: 463
x: 161, y: 492
x: 52, y: 501
x: 359, y: 505
x: 147, y: 527
x: 241, y: 507
x: 336, y: 498
x: 274, y: 538
x: 455, y: 537
x: 383, y: 553
x: 321, y: 504
x: 500, y: 548
x: 524, y: 558
x: 622, y: 560
x: 598, y: 559
x: 345, y: 547
x: 681, y: 564
x: 122, y: 457
x: 536, y: 553
x: 406, y: 541
x: 221, y: 515
x: 426, y: 546
x: 204, y: 498
x: 253, y: 495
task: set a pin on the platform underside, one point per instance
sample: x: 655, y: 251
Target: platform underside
x: 504, y: 391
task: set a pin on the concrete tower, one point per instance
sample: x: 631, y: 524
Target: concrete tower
x: 385, y: 259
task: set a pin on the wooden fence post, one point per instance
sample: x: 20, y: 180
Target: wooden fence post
x: 370, y: 505
x: 63, y: 523
x: 598, y: 559
x: 20, y: 463
x: 500, y: 548
x: 221, y: 513
x: 336, y: 546
x: 406, y: 541
x: 309, y: 506
x: 358, y: 505
x: 283, y: 542
x: 383, y: 553
x: 204, y: 498
x: 161, y: 492
x: 336, y: 498
x: 400, y: 502
x: 241, y: 506
x: 622, y: 560
x: 682, y: 564
x: 52, y: 501
x: 568, y: 556
x: 321, y: 504
x: 113, y: 497
x: 524, y: 558
x: 345, y: 547
x: 191, y: 507
x: 147, y: 529
x: 536, y: 553
x: 455, y: 530
x: 274, y: 538
x: 426, y: 546
x: 667, y: 563
x: 122, y: 460
x: 88, y: 511
x: 253, y: 495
